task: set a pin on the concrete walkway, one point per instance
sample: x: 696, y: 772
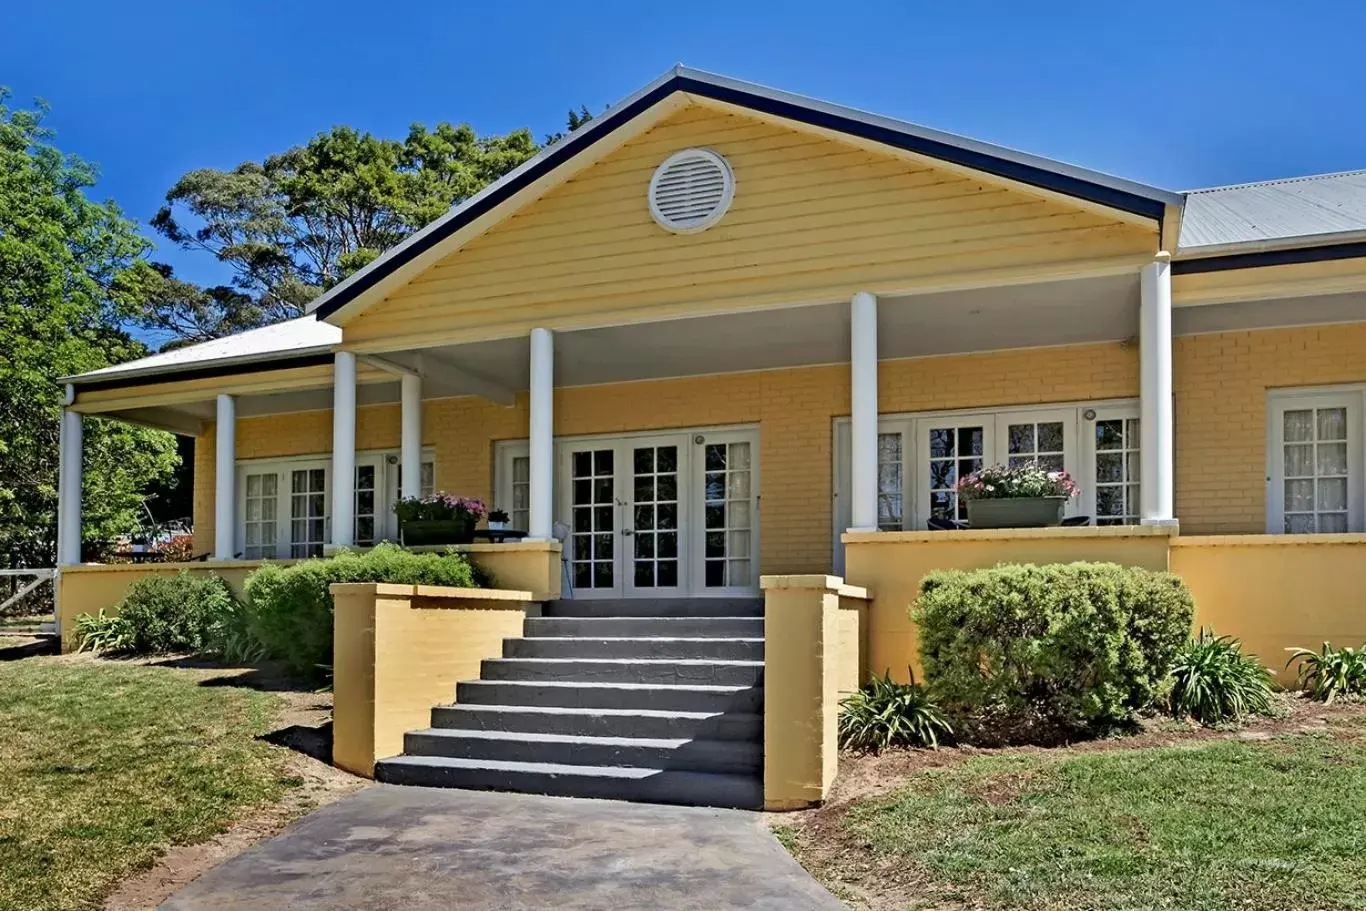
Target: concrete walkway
x: 415, y: 849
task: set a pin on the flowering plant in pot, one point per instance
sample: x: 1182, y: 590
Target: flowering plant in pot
x: 441, y: 518
x: 498, y: 519
x: 1022, y: 496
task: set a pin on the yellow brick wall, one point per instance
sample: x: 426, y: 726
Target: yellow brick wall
x: 1220, y: 380
x: 794, y: 410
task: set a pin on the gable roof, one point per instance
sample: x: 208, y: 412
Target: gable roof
x: 1092, y: 186
x: 1269, y: 213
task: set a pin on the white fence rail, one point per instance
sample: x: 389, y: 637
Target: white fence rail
x: 40, y: 576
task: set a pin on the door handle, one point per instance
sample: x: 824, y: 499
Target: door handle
x: 627, y: 532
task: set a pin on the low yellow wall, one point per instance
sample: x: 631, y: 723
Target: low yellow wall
x: 812, y: 633
x: 1277, y: 591
x: 532, y: 566
x: 399, y: 650
x: 891, y: 564
x: 88, y: 589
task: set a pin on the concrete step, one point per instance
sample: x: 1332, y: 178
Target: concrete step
x: 634, y: 696
x: 655, y: 607
x: 707, y: 789
x: 646, y: 627
x: 710, y: 648
x: 729, y: 756
x: 598, y: 722
x: 668, y: 672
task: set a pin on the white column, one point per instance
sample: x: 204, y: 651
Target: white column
x: 410, y: 436
x: 344, y: 450
x: 69, y: 470
x: 863, y: 411
x: 225, y: 479
x: 541, y: 508
x: 1155, y: 390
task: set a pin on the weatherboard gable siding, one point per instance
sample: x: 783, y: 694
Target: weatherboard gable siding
x: 812, y: 219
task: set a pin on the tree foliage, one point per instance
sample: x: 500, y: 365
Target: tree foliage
x: 297, y: 223
x: 60, y: 257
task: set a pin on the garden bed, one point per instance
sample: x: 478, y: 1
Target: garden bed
x: 1267, y: 816
x: 127, y: 779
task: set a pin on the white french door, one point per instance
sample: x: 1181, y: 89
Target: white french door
x: 664, y: 515
x: 920, y: 457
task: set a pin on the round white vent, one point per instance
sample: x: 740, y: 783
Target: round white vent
x: 691, y: 190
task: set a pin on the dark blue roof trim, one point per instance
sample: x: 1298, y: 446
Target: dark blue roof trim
x: 980, y: 161
x: 1268, y: 258
x: 191, y: 372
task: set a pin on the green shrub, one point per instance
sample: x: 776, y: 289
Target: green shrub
x: 176, y: 613
x: 885, y: 713
x: 1038, y: 652
x: 102, y: 633
x: 1329, y: 672
x: 290, y: 607
x: 1213, y: 681
x: 232, y: 638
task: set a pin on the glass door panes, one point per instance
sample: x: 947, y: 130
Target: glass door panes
x: 653, y: 541
x: 951, y: 451
x: 890, y: 498
x: 1117, y: 471
x: 592, y: 488
x: 261, y: 512
x: 307, y: 512
x: 1029, y: 441
x: 1315, y: 476
x: 728, y: 514
x: 519, y: 511
x: 367, y: 477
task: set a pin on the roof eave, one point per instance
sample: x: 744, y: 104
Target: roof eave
x: 282, y: 360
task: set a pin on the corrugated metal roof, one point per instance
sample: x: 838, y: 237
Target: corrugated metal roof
x: 1274, y: 212
x: 292, y: 337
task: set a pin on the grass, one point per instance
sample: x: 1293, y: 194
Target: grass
x: 104, y: 764
x: 1226, y: 824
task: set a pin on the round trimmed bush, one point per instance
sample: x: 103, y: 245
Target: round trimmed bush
x: 174, y: 613
x: 1028, y: 653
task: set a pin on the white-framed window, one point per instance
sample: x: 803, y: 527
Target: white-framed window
x: 284, y: 507
x: 1314, y: 461
x: 921, y: 456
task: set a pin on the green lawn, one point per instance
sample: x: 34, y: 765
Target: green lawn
x: 104, y: 764
x: 1225, y: 824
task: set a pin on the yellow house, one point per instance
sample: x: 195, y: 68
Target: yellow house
x: 724, y: 333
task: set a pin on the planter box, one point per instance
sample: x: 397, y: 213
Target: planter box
x: 420, y: 532
x: 1019, y: 512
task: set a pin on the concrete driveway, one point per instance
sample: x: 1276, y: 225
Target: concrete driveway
x: 419, y: 848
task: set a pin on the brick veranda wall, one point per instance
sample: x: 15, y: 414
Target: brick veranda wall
x: 1221, y: 382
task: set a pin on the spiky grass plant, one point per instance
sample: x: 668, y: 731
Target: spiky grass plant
x: 885, y: 713
x: 1329, y: 672
x: 1213, y: 681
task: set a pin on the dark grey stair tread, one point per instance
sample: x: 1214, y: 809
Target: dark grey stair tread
x: 660, y: 743
x: 655, y: 607
x: 673, y: 648
x: 666, y: 671
x: 561, y: 710
x: 618, y: 695
x: 593, y: 684
x: 613, y: 782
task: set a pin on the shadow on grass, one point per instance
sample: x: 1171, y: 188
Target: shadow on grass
x: 315, y: 742
x: 48, y: 645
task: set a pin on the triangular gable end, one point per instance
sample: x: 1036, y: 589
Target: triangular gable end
x: 660, y: 99
x: 811, y: 218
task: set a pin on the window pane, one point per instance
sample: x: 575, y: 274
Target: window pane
x: 1299, y: 523
x: 1109, y: 467
x: 1299, y: 426
x: 1050, y: 437
x: 1333, y: 523
x: 1020, y: 438
x: 1332, y: 459
x: 1109, y: 434
x: 1299, y: 496
x: 1299, y: 460
x: 1332, y: 423
x: 1332, y: 495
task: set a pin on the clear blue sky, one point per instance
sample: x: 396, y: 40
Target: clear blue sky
x: 1178, y: 95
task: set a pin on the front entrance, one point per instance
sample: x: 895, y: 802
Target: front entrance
x: 671, y: 514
